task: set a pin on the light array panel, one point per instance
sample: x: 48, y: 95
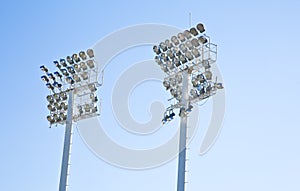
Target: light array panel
x: 77, y: 73
x: 188, y: 50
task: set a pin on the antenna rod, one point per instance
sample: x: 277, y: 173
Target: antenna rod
x: 190, y: 19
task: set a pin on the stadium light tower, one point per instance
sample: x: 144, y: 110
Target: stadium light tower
x: 186, y: 59
x: 72, y: 97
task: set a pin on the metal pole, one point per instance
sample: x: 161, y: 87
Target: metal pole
x: 183, y: 132
x: 63, y: 183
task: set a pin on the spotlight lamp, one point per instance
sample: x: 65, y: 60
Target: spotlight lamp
x: 70, y: 60
x: 87, y: 108
x: 76, y: 78
x: 84, y: 75
x: 57, y: 85
x: 56, y: 63
x: 93, y: 97
x: 83, y: 66
x: 50, y: 98
x: 57, y: 74
x: 95, y: 109
x: 50, y: 86
x: 65, y: 72
x: 82, y: 55
x: 76, y: 58
x: 44, y: 69
x: 92, y: 87
x: 57, y: 105
x: 186, y: 58
x: 200, y: 28
x: 63, y: 95
x: 64, y: 106
x: 77, y: 68
x: 90, y: 53
x: 168, y: 115
x: 44, y: 78
x: 51, y: 76
x: 90, y: 63
x: 56, y: 97
x: 63, y: 62
x: 50, y: 119
x: 70, y: 69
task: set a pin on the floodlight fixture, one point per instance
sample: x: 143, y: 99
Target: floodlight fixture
x: 156, y: 49
x: 168, y: 44
x: 76, y: 78
x: 195, y: 52
x: 90, y: 53
x: 77, y: 68
x: 63, y: 95
x: 57, y: 85
x: 70, y: 60
x: 90, y: 63
x: 189, y: 109
x: 57, y: 106
x: 181, y: 37
x: 195, y: 42
x: 219, y: 85
x: 93, y: 97
x: 186, y: 58
x: 208, y: 75
x: 189, y: 45
x: 72, y: 87
x: 63, y: 62
x: 83, y: 66
x: 187, y: 34
x: 56, y: 97
x: 84, y: 75
x: 56, y: 117
x: 51, y: 107
x: 175, y: 40
x: 43, y: 68
x: 168, y: 115
x: 50, y: 86
x: 200, y: 28
x: 44, y: 78
x: 70, y: 69
x: 76, y: 58
x: 82, y: 55
x: 57, y: 74
x: 202, y: 39
x: 63, y: 116
x: 183, y: 48
x: 50, y: 98
x: 80, y: 110
x: 50, y: 119
x: 92, y: 87
x: 56, y: 63
x: 87, y: 108
x: 95, y: 109
x: 51, y: 76
x: 65, y: 72
x: 70, y: 80
x: 64, y: 106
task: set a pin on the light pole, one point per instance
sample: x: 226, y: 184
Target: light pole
x: 186, y: 59
x: 73, y: 97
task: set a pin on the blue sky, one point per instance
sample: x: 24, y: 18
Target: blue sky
x: 258, y: 148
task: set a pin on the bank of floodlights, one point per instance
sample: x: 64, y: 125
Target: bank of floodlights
x: 192, y: 51
x: 77, y: 73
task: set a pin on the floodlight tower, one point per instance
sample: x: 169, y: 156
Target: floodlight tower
x: 72, y: 97
x: 186, y: 59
